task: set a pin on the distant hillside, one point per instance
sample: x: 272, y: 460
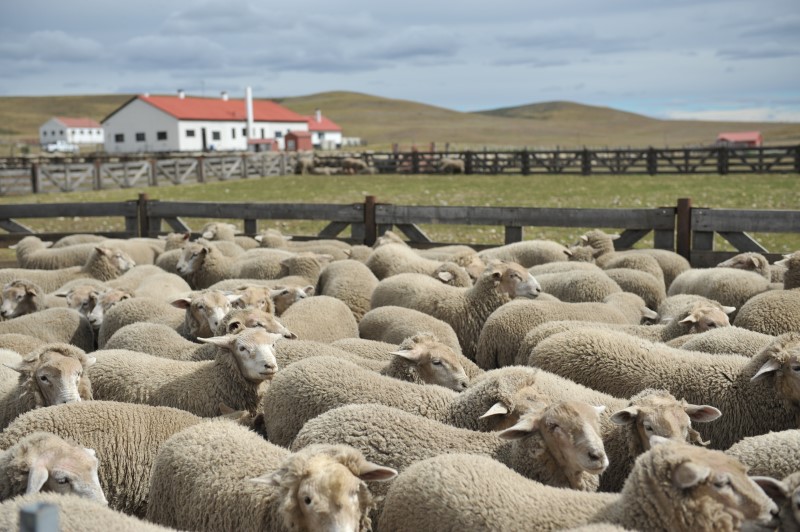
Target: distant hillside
x: 383, y: 121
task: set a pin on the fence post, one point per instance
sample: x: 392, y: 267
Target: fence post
x: 797, y: 159
x: 684, y: 227
x: 39, y: 517
x: 526, y: 162
x: 370, y: 227
x: 244, y: 166
x: 415, y: 162
x: 143, y: 215
x: 201, y: 169
x: 652, y: 161
x: 97, y: 176
x: 153, y: 172
x: 282, y: 164
x: 722, y: 160
x: 35, y: 178
x: 586, y: 162
x: 468, y: 162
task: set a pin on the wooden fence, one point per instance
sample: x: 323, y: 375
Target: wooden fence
x: 25, y: 176
x: 681, y: 228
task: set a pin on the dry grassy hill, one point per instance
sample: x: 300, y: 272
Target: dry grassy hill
x: 383, y: 121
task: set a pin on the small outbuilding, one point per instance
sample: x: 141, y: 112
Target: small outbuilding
x: 71, y: 130
x: 298, y: 141
x: 740, y: 139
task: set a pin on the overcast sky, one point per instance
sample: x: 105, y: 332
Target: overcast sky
x: 706, y: 59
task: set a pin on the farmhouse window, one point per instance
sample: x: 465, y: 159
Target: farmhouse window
x: 161, y: 135
x: 215, y: 135
x: 262, y: 133
x: 119, y: 137
x: 244, y: 131
x: 140, y: 137
x: 62, y: 132
x: 278, y: 134
x: 233, y: 132
x: 190, y: 132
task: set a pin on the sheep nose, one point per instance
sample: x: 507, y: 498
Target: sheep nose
x: 463, y: 384
x: 594, y: 455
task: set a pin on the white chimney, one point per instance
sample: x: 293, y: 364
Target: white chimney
x: 146, y: 94
x: 248, y: 97
x: 318, y: 115
x: 224, y: 96
x: 181, y: 94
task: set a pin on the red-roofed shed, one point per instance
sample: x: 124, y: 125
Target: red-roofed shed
x: 749, y: 139
x: 298, y: 141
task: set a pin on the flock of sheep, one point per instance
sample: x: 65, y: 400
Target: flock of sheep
x: 237, y: 383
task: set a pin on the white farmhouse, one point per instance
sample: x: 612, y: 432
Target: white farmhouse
x: 182, y: 123
x: 71, y: 130
x: 325, y: 133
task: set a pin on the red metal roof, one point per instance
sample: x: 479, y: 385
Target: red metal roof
x: 78, y: 122
x: 740, y: 136
x: 191, y: 108
x: 326, y: 124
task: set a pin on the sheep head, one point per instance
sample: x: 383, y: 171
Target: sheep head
x: 104, y: 301
x: 237, y: 320
x: 44, y: 462
x: 285, y: 297
x: 81, y: 298
x: 780, y: 361
x: 513, y: 280
x: 323, y: 487
x: 19, y: 298
x: 750, y: 261
x: 433, y: 361
x: 253, y: 351
x: 205, y: 311
x: 254, y: 296
x: 55, y: 374
x: 118, y: 261
x: 702, y: 318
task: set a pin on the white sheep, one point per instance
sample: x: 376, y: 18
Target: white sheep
x: 23, y: 297
x: 243, y: 362
x: 464, y: 309
x: 392, y: 324
x: 578, y: 286
x: 53, y: 325
x: 750, y: 261
x: 527, y: 253
x: 729, y: 286
x: 672, y: 487
x: 791, y: 278
x: 773, y: 312
x: 641, y: 283
x: 731, y: 340
x: 46, y: 462
x: 320, y: 318
x: 349, y: 281
x: 255, y: 485
x: 775, y: 454
x: 32, y: 253
x: 52, y: 374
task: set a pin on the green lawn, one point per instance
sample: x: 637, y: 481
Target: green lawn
x: 745, y: 191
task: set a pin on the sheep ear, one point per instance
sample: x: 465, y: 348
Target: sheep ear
x: 526, y: 426
x: 37, y: 476
x: 102, y: 251
x: 233, y: 298
x: 568, y: 253
x: 613, y: 237
x: 270, y: 479
x: 774, y: 489
x: 691, y: 318
x: 649, y: 314
x: 225, y: 409
x: 689, y: 474
x: 90, y: 451
x: 309, y: 290
x: 445, y: 276
x: 18, y: 370
x: 182, y: 303
x: 770, y: 366
x: 498, y: 409
x: 783, y: 262
x: 584, y: 238
x: 226, y: 341
x: 408, y: 354
x: 90, y: 361
x: 626, y: 416
x: 208, y: 235
x: 599, y: 409
x: 368, y: 471
x: 702, y: 413
x: 258, y: 238
x: 754, y: 261
x: 728, y: 310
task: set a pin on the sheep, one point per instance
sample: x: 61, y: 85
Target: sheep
x: 392, y: 259
x: 672, y: 487
x: 53, y: 325
x: 446, y: 253
x: 243, y: 362
x: 103, y: 302
x: 464, y: 309
x: 728, y: 286
x: 774, y: 312
x: 284, y: 297
x: 570, y: 456
x: 151, y: 281
x: 677, y: 305
x: 750, y: 261
x: 791, y: 278
x: 309, y: 387
x: 110, y: 428
x: 392, y: 324
x: 49, y: 375
x: 640, y: 283
x: 321, y: 487
x: 775, y: 454
x: 225, y: 232
x: 71, y: 240
x: 578, y: 286
x: 78, y: 294
x: 20, y: 343
x: 422, y: 359
x: 32, y: 253
x: 527, y: 253
x: 320, y: 318
x: 788, y: 499
x: 175, y: 242
x: 22, y: 297
x: 45, y: 462
x: 448, y: 165
x: 254, y: 296
x: 351, y: 282
x: 505, y: 329
x: 633, y: 261
x: 452, y: 274
x: 561, y: 267
x: 351, y: 165
x: 730, y: 340
x: 103, y: 264
x: 272, y: 238
x: 359, y: 252
x: 759, y: 393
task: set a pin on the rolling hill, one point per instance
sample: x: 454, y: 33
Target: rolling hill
x: 383, y: 121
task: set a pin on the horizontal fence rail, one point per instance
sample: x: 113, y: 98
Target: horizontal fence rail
x: 64, y: 174
x: 688, y: 231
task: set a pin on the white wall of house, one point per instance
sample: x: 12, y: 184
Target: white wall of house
x: 54, y: 130
x: 326, y: 139
x: 137, y: 128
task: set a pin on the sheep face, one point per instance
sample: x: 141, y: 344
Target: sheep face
x: 191, y: 259
x: 119, y: 260
x: 175, y: 240
x: 239, y: 319
x: 103, y: 302
x: 218, y: 231
x: 55, y: 465
x: 323, y: 488
x: 256, y: 297
x: 571, y: 431
x: 205, y: 311
x: 57, y: 377
x: 435, y: 363
x: 753, y: 262
x: 515, y: 281
x: 660, y: 414
x: 705, y: 317
x: 19, y: 298
x: 783, y: 363
x: 81, y: 298
x: 253, y: 351
x: 283, y: 298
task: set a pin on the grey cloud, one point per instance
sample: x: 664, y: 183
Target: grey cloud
x: 533, y: 62
x: 785, y: 28
x: 572, y: 40
x: 178, y: 52
x: 762, y: 52
x: 53, y: 46
x: 235, y: 16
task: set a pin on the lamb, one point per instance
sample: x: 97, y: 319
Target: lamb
x: 774, y: 312
x: 46, y: 462
x: 571, y: 456
x: 451, y: 166
x: 791, y: 278
x: 22, y: 297
x: 393, y: 324
x: 320, y: 318
x: 730, y: 340
x: 75, y: 514
x: 351, y: 282
x: 243, y: 362
x: 672, y: 487
x: 52, y: 374
x: 640, y: 283
x: 578, y: 286
x: 464, y: 309
x: 759, y: 393
x: 633, y: 261
x: 750, y: 261
x: 527, y: 253
x: 254, y: 296
x: 728, y: 286
x: 775, y: 454
x: 103, y: 264
x: 321, y: 487
x: 505, y: 329
x: 53, y: 325
x: 110, y: 428
x: 315, y: 385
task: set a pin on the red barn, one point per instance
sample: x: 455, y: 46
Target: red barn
x: 741, y: 139
x: 298, y: 141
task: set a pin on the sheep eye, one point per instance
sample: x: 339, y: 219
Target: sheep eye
x: 795, y: 368
x: 307, y: 499
x: 711, y: 325
x: 241, y: 349
x: 43, y: 378
x: 648, y: 427
x: 721, y: 483
x: 62, y: 480
x: 436, y: 362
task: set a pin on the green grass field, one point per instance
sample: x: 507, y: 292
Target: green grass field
x: 745, y: 191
